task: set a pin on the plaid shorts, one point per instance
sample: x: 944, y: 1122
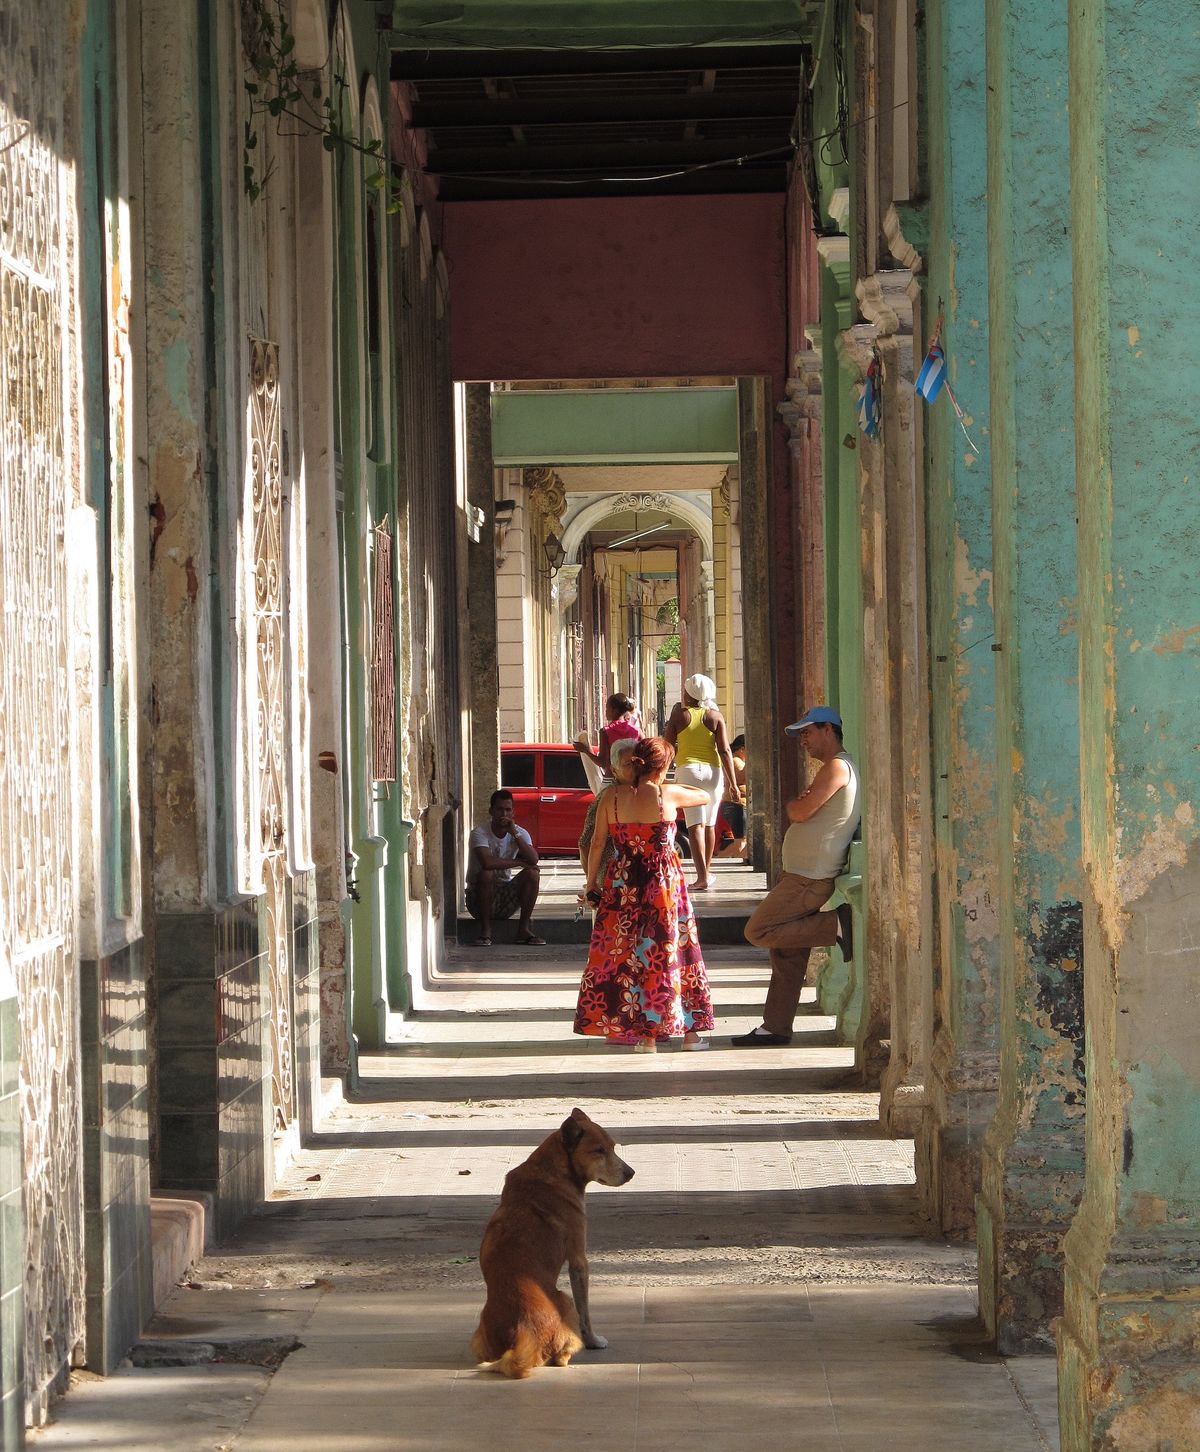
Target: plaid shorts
x: 505, y: 901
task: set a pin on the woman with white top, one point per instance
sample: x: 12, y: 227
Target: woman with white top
x: 696, y: 729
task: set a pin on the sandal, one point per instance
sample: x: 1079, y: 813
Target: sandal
x: 531, y: 940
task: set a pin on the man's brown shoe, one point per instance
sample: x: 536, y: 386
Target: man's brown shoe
x: 845, y: 937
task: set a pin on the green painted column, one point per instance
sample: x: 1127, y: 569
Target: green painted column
x: 367, y: 850
x: 1033, y: 1154
x: 840, y: 985
x: 962, y: 1085
x: 1129, y: 1372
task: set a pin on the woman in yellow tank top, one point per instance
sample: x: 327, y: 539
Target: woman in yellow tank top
x: 696, y: 729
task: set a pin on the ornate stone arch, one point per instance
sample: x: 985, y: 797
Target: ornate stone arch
x: 676, y: 505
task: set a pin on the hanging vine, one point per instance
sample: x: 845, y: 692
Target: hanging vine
x: 277, y: 88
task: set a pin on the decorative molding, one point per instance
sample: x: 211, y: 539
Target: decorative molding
x: 839, y: 208
x: 886, y: 300
x: 641, y: 504
x: 547, y: 495
x: 904, y: 229
x: 568, y: 586
x: 854, y: 349
x: 724, y: 502
x: 803, y: 405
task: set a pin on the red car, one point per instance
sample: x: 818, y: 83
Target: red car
x: 551, y: 796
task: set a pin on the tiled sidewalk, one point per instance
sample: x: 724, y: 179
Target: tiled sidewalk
x: 763, y: 1279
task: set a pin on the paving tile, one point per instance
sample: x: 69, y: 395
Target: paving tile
x: 764, y: 1281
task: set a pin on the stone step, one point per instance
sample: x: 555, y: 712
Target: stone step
x: 716, y: 928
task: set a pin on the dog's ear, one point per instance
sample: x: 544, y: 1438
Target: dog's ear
x: 572, y: 1133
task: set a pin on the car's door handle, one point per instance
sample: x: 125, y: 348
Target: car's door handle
x: 547, y: 799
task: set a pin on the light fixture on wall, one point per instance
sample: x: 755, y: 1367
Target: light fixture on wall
x: 556, y: 555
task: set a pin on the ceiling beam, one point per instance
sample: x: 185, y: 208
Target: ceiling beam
x: 608, y: 158
x: 774, y: 105
x: 450, y: 65
x: 720, y: 181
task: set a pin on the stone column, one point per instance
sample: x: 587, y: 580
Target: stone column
x: 902, y: 843
x: 1131, y: 1323
x: 482, y: 688
x: 1033, y: 1152
x: 802, y: 414
x: 957, y: 487
x: 762, y: 721
x: 566, y: 592
x: 708, y: 603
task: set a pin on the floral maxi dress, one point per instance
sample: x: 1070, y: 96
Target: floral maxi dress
x: 645, y: 976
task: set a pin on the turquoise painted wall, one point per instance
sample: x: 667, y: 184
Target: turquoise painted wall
x: 1032, y: 1173
x: 1033, y: 474
x: 958, y: 504
x: 1132, y: 1284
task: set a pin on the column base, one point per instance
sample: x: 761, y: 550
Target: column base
x: 1020, y: 1280
x: 1127, y: 1341
x: 903, y: 1103
x: 949, y: 1149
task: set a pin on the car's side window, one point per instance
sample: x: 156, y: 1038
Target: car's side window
x: 564, y: 772
x: 517, y: 768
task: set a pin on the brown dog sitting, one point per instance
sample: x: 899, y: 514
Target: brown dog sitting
x: 541, y: 1223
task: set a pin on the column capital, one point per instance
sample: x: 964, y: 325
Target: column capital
x: 886, y: 299
x: 566, y: 587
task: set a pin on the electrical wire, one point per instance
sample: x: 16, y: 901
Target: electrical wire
x: 517, y: 177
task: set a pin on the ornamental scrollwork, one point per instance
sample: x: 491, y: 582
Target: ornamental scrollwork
x: 547, y: 495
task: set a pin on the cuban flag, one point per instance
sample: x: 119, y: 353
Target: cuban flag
x: 870, y: 411
x: 933, y: 373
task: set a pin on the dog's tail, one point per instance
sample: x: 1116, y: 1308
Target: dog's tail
x: 521, y: 1357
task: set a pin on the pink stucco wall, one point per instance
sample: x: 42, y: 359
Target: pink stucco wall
x: 617, y: 287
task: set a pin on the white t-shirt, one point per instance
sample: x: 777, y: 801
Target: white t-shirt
x: 497, y: 846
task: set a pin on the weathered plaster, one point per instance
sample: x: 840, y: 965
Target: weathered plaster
x: 961, y: 624
x: 1033, y: 1157
x: 1131, y: 1323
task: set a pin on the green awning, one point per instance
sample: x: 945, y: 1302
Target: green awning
x: 565, y: 24
x: 616, y: 426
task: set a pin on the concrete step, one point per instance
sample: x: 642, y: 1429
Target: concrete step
x: 177, y: 1237
x: 716, y: 928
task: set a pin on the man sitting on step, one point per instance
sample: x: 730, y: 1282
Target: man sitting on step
x: 494, y: 889
x: 789, y: 921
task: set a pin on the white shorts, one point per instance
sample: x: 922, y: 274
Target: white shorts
x: 705, y: 778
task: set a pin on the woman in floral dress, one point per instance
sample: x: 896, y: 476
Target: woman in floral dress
x: 645, y: 978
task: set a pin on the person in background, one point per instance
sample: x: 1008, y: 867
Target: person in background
x: 696, y: 729
x: 622, y: 725
x: 495, y: 888
x: 645, y: 978
x: 789, y: 921
x: 622, y: 773
x: 735, y: 812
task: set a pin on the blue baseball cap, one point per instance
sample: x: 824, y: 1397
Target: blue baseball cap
x: 814, y: 716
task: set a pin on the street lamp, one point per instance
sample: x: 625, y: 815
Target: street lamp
x: 555, y: 554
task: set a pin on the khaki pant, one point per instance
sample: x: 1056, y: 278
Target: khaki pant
x: 789, y: 923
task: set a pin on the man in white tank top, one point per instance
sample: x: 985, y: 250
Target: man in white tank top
x: 789, y: 921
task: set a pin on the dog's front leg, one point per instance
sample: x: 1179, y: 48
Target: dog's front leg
x: 579, y: 1289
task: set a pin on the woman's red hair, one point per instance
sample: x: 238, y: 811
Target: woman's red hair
x: 651, y: 755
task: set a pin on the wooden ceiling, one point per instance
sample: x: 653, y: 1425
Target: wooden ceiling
x: 545, y: 123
